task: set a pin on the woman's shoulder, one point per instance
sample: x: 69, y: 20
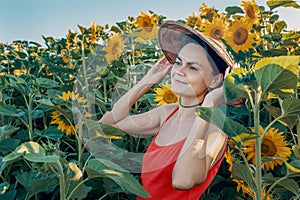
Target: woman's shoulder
x: 166, y: 110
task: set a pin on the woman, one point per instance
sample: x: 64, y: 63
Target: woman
x: 186, y: 151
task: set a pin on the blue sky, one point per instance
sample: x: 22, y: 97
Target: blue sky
x: 30, y: 19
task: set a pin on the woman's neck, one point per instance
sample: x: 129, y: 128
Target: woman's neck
x: 187, y: 106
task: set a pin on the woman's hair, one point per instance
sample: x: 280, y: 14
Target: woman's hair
x: 217, y: 63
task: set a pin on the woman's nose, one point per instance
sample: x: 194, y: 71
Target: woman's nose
x: 180, y: 70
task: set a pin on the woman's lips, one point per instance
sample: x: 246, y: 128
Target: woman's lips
x: 179, y: 81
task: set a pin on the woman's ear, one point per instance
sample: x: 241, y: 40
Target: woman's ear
x: 217, y: 80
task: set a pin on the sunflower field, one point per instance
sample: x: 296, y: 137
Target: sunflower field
x: 52, y: 96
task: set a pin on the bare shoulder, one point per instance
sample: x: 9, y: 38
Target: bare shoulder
x: 165, y: 110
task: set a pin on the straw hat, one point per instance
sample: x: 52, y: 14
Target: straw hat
x: 172, y: 36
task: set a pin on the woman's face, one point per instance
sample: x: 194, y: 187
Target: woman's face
x: 192, y: 73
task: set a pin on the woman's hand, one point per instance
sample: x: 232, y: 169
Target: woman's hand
x: 214, y: 98
x: 159, y: 71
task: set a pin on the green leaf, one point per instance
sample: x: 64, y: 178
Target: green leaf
x: 9, y: 110
x: 31, y: 151
x: 233, y: 129
x: 284, y: 3
x: 291, y: 185
x: 46, y: 102
x: 291, y: 107
x: 17, y: 80
x: 81, y: 192
x: 8, y: 145
x: 46, y: 83
x: 52, y: 133
x: 277, y: 75
x: 41, y: 159
x: 279, y: 26
x: 231, y: 10
x: 273, y: 18
x: 37, y: 114
x: 233, y: 90
x: 290, y: 110
x: 6, y: 130
x: 240, y: 171
x: 105, y: 168
x: 35, y: 183
x: 274, y: 52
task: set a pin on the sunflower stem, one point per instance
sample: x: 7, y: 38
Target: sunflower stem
x: 62, y: 184
x: 258, y: 142
x: 30, y: 118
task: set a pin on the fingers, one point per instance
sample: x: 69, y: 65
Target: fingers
x: 227, y: 71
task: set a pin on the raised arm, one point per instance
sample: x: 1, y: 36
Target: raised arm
x: 141, y: 124
x: 203, y: 148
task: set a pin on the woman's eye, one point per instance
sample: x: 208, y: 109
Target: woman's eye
x: 193, y: 68
x: 176, y: 63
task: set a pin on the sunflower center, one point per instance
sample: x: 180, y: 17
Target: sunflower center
x: 115, y: 48
x: 147, y: 22
x: 268, y: 148
x: 216, y: 33
x: 240, y: 36
x: 170, y: 97
x: 250, y: 12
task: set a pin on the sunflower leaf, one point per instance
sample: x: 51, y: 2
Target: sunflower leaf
x: 278, y: 75
x: 291, y: 185
x: 232, y: 90
x: 290, y: 110
x: 31, y: 151
x: 240, y: 171
x: 284, y: 3
x: 105, y: 168
x: 6, y: 130
x: 231, y: 10
x: 233, y: 129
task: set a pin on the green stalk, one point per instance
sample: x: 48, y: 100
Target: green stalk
x: 258, y: 142
x: 79, y: 142
x: 298, y: 132
x: 62, y: 183
x: 77, y: 187
x: 30, y: 118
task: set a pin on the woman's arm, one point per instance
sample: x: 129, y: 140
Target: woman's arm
x: 145, y: 123
x: 203, y: 147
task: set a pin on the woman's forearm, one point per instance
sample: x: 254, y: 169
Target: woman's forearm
x: 121, y: 107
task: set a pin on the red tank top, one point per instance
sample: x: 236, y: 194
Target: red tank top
x: 157, y: 167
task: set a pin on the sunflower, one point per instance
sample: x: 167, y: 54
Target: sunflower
x: 164, y: 95
x: 252, y: 11
x: 229, y: 159
x: 194, y: 21
x: 245, y: 188
x: 72, y: 96
x: 216, y: 29
x: 19, y: 72
x: 273, y: 145
x: 114, y: 47
x: 71, y: 40
x: 240, y: 183
x: 96, y: 32
x: 207, y: 12
x: 239, y: 35
x: 62, y: 123
x: 146, y: 25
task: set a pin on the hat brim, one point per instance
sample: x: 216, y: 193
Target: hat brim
x: 171, y: 37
